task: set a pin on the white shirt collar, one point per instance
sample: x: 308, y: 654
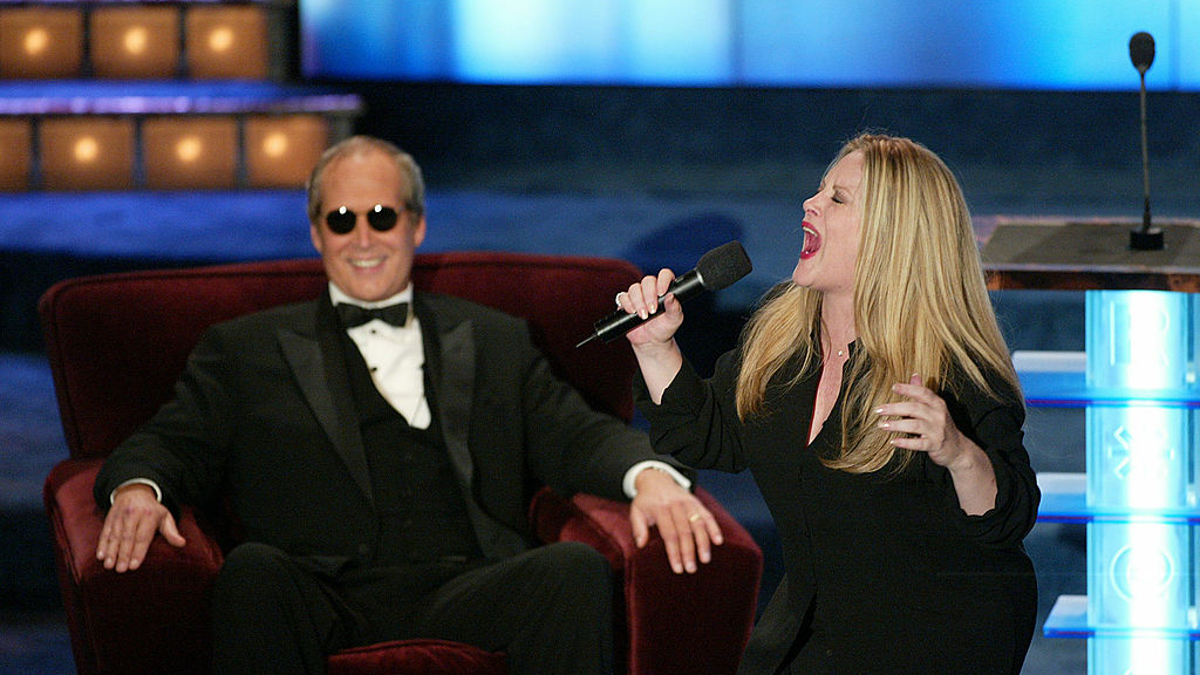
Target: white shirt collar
x: 336, y: 295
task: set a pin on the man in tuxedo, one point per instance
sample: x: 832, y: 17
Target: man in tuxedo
x: 378, y: 448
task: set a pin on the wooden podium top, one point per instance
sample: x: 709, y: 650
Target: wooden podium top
x: 1087, y: 254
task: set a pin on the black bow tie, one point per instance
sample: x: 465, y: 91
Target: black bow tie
x: 354, y: 315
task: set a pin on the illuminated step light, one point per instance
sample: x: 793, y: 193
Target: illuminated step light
x: 190, y: 152
x: 40, y: 42
x: 135, y: 42
x: 15, y: 150
x: 92, y: 153
x: 1141, y: 458
x: 226, y: 42
x: 281, y: 150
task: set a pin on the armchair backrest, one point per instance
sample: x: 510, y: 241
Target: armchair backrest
x: 116, y: 343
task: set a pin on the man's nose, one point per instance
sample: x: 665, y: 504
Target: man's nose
x: 362, y: 229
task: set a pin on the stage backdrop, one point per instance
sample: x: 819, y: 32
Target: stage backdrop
x: 1014, y: 44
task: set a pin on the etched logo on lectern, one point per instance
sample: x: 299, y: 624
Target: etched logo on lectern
x: 1141, y: 572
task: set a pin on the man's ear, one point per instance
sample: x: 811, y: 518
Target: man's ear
x: 315, y: 237
x: 419, y: 232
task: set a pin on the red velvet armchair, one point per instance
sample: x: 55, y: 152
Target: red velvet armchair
x: 116, y: 344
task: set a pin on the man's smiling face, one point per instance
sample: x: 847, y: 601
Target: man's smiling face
x: 365, y: 263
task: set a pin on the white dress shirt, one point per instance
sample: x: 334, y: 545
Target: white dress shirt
x: 394, y: 355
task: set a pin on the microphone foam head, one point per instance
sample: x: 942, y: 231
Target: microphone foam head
x: 723, y: 265
x: 1141, y: 51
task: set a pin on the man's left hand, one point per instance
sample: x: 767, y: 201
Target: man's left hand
x: 688, y: 529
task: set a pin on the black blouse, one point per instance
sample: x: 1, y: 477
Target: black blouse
x: 887, y: 568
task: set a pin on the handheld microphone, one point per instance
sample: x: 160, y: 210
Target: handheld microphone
x: 1148, y: 238
x: 716, y: 269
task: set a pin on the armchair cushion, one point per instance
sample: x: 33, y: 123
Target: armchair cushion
x: 417, y: 657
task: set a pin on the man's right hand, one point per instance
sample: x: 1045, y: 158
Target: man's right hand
x: 130, y: 526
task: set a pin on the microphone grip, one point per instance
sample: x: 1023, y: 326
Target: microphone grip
x: 621, y: 322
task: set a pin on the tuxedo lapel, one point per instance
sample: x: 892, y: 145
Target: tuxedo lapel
x: 317, y: 364
x: 452, y: 368
x: 453, y: 378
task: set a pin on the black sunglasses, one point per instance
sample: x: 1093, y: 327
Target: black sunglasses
x: 342, y: 220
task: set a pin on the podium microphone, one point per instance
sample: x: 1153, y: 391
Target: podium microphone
x: 1148, y: 238
x: 716, y: 269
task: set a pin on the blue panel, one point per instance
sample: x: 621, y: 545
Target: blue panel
x: 376, y: 39
x: 1028, y: 44
x: 680, y: 41
x: 547, y: 41
x: 1069, y: 619
x: 1019, y: 44
x: 1058, y: 389
x: 865, y: 42
x: 1139, y: 458
x: 1139, y: 577
x: 1185, y: 37
x: 535, y: 40
x: 1149, y: 654
x: 1065, y: 500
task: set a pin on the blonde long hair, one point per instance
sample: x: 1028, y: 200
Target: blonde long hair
x: 920, y: 303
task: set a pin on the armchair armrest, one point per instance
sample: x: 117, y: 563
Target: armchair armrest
x: 677, y: 623
x: 153, y: 619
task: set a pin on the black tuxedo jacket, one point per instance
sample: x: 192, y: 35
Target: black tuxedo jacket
x: 263, y: 416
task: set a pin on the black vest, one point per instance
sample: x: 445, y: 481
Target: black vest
x: 421, y: 509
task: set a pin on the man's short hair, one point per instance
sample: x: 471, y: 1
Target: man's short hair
x: 414, y: 201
